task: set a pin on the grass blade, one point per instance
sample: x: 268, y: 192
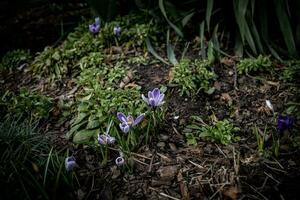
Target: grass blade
x: 153, y: 52
x: 285, y: 26
x: 46, y: 168
x: 170, y: 52
x: 186, y: 19
x: 209, y: 7
x: 162, y: 9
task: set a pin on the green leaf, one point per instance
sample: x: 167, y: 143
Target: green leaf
x: 56, y: 56
x: 285, y: 26
x: 80, y: 117
x: 170, y: 52
x: 74, y: 129
x: 84, y: 136
x: 187, y: 18
x: 153, y: 52
x: 211, y: 90
x: 209, y: 7
x: 93, y: 122
x: 162, y: 8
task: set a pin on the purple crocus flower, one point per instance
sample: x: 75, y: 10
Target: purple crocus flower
x: 284, y: 123
x: 120, y: 161
x: 129, y: 121
x: 95, y: 27
x: 106, y: 139
x: 70, y: 163
x: 117, y: 30
x: 155, y: 98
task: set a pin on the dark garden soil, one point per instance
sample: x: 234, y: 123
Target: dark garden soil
x: 168, y: 168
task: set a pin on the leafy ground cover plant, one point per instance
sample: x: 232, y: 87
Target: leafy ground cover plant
x: 192, y: 76
x: 13, y: 59
x: 33, y: 104
x: 30, y: 167
x: 221, y: 132
x: 81, y: 46
x: 292, y: 71
x: 249, y: 65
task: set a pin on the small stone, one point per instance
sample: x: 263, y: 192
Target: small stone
x: 172, y: 146
x: 164, y: 137
x: 230, y: 73
x: 115, y: 172
x: 161, y: 144
x: 167, y: 172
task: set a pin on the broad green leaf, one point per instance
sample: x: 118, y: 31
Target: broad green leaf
x: 285, y: 26
x: 153, y: 52
x: 170, y: 52
x: 187, y: 18
x: 80, y: 117
x: 84, y: 136
x: 162, y: 8
x: 209, y: 7
x: 74, y: 129
x: 93, y: 122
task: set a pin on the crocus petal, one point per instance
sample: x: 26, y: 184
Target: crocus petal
x: 156, y: 93
x: 145, y: 99
x: 269, y: 104
x: 130, y: 120
x: 160, y: 100
x: 97, y: 20
x: 152, y: 102
x: 70, y: 163
x: 111, y: 140
x: 138, y: 119
x: 124, y: 127
x: 120, y: 161
x: 122, y: 117
x: 102, y: 139
x: 150, y: 95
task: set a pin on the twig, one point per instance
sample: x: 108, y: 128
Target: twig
x: 255, y: 190
x: 221, y: 151
x: 151, y: 162
x: 271, y: 177
x: 273, y: 168
x: 235, y: 78
x: 163, y: 194
x: 197, y: 165
x: 136, y: 154
x: 218, y: 191
x: 137, y: 160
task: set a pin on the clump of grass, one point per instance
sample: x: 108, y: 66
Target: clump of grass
x: 30, y: 168
x: 221, y: 132
x: 192, y: 77
x: 249, y: 65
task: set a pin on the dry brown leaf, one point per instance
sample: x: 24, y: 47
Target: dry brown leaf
x: 170, y: 76
x: 231, y: 192
x: 227, y: 61
x: 131, y: 85
x: 227, y: 98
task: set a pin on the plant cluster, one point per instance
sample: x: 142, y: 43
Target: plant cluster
x: 192, y: 77
x: 249, y: 65
x: 221, y: 132
x: 82, y: 48
x: 292, y: 71
x: 29, y: 103
x: 30, y: 168
x: 13, y: 59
